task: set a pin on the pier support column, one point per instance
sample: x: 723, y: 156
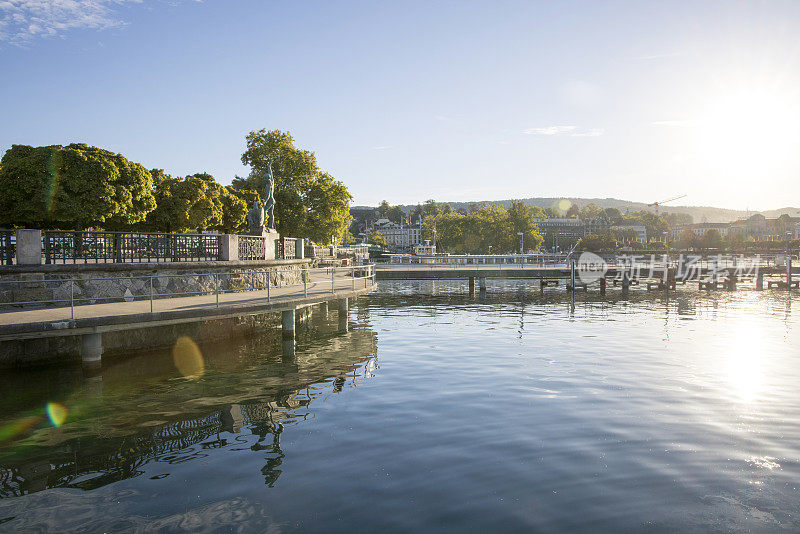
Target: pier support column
x: 92, y: 349
x: 482, y: 284
x: 626, y: 284
x: 788, y: 272
x: 287, y: 332
x: 732, y: 280
x: 760, y: 281
x: 603, y: 285
x: 471, y: 285
x: 344, y: 315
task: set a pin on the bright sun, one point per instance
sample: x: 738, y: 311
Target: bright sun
x: 749, y: 132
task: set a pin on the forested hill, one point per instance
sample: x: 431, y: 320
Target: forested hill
x: 698, y: 213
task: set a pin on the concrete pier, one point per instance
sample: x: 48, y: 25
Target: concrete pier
x: 344, y: 315
x: 603, y: 285
x: 92, y: 349
x: 471, y: 285
x: 482, y: 284
x: 287, y: 332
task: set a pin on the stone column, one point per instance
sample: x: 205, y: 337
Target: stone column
x: 287, y: 333
x: 230, y: 247
x: 92, y: 350
x: 271, y: 238
x: 29, y: 247
x: 344, y: 315
x: 299, y: 248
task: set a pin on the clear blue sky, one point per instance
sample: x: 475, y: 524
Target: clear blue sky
x: 408, y: 101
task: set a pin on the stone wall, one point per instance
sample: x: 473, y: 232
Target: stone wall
x: 44, y: 286
x: 67, y: 349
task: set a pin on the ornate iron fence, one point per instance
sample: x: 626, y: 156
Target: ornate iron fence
x: 289, y: 248
x: 127, y: 247
x: 252, y: 247
x: 8, y: 248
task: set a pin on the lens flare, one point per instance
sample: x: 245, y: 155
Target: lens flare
x: 563, y: 205
x: 57, y: 413
x: 187, y: 358
x: 18, y: 427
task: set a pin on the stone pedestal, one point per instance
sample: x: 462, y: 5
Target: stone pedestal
x: 230, y: 247
x: 29, y: 247
x: 271, y: 237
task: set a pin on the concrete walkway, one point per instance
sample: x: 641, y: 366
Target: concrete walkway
x: 122, y: 315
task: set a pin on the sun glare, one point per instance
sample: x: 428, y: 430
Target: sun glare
x: 749, y: 132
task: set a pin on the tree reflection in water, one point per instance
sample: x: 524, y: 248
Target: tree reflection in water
x: 247, y: 396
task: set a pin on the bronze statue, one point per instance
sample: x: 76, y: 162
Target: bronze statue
x: 255, y: 219
x: 269, y: 197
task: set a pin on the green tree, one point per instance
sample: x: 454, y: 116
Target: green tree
x: 72, y: 187
x: 605, y: 242
x: 591, y: 211
x: 712, y: 239
x: 376, y: 238
x: 654, y: 224
x: 613, y: 214
x: 486, y: 226
x: 688, y: 239
x: 308, y: 202
x: 196, y: 202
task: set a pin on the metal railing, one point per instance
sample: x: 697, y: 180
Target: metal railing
x: 270, y: 283
x: 128, y: 247
x: 252, y: 247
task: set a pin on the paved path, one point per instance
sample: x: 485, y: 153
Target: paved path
x: 137, y: 313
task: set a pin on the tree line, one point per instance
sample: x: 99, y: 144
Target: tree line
x: 477, y: 227
x: 81, y: 187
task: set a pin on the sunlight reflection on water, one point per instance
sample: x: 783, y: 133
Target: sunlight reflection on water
x: 515, y: 410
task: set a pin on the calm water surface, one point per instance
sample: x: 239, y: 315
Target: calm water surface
x: 436, y: 412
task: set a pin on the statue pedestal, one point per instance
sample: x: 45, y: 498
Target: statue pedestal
x: 270, y: 237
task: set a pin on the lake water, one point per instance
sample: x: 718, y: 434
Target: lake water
x: 437, y: 411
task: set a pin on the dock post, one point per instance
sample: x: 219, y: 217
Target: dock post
x: 732, y: 280
x: 572, y: 276
x: 626, y: 284
x: 760, y: 281
x: 603, y: 285
x: 287, y: 332
x: 471, y: 285
x: 92, y: 350
x: 788, y: 271
x: 344, y: 315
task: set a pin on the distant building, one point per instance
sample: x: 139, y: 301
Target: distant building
x: 571, y: 228
x: 700, y: 229
x: 398, y: 236
x: 641, y: 230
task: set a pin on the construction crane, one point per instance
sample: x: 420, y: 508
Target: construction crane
x: 655, y: 205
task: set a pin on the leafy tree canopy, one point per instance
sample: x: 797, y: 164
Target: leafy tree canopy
x: 308, y: 202
x: 196, y: 202
x: 486, y: 226
x: 376, y: 238
x: 72, y: 187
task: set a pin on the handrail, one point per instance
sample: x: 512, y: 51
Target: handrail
x: 306, y: 274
